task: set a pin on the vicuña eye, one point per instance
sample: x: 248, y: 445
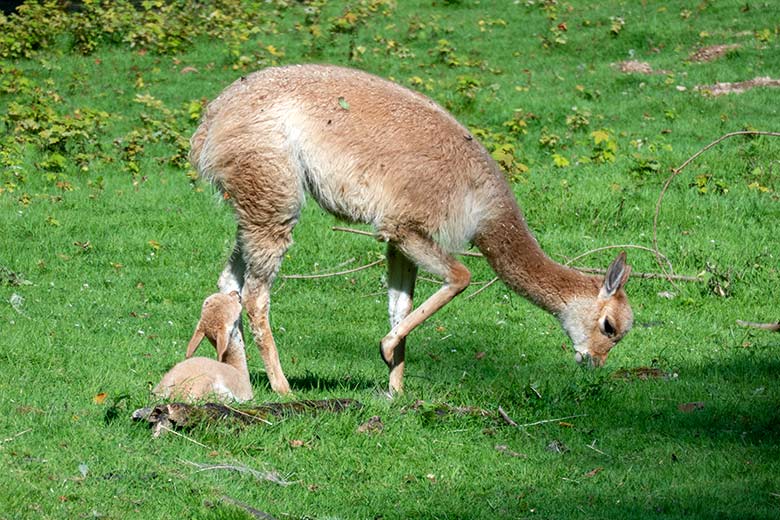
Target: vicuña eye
x: 607, y: 328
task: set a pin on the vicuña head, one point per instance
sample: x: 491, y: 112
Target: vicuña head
x: 218, y: 317
x: 596, y: 323
x: 227, y: 377
x: 369, y: 150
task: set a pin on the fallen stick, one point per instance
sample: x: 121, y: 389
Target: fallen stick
x: 491, y: 282
x: 679, y: 277
x: 550, y: 420
x: 270, y: 476
x: 677, y: 171
x: 623, y: 246
x: 352, y: 230
x: 506, y: 417
x: 249, y: 509
x: 774, y: 327
x: 369, y: 234
x: 328, y: 275
x: 12, y: 437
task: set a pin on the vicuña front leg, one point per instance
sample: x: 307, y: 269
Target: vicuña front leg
x: 456, y: 278
x: 257, y: 302
x: 232, y: 279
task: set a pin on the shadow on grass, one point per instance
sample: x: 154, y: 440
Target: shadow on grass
x: 311, y: 381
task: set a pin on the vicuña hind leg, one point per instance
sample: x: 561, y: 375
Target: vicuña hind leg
x: 428, y: 255
x: 401, y: 276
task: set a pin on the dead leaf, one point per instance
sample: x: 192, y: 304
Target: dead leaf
x: 557, y: 446
x: 479, y: 355
x: 719, y: 89
x: 505, y: 450
x: 188, y: 70
x: 296, y: 443
x: 711, y: 52
x: 593, y: 472
x: 373, y: 425
x: 690, y: 407
x: 99, y: 398
x: 638, y: 67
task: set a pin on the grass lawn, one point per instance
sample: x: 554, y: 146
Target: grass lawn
x: 108, y: 245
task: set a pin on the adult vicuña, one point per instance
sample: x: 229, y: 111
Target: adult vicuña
x: 369, y: 150
x: 227, y: 377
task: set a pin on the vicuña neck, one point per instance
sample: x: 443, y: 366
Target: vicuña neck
x: 515, y: 256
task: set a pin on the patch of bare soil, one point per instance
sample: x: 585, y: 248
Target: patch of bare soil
x: 637, y: 67
x: 720, y: 89
x: 711, y: 52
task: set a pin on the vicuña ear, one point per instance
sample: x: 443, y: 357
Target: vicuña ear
x: 617, y: 276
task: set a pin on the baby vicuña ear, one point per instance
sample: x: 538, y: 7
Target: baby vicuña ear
x: 222, y: 346
x: 616, y: 277
x: 197, y: 337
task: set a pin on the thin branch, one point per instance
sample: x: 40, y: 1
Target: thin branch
x: 506, y: 417
x: 166, y: 428
x: 369, y: 234
x: 270, y: 476
x: 624, y: 246
x: 252, y: 417
x: 328, y: 275
x: 352, y: 230
x: 774, y: 327
x: 12, y: 437
x: 594, y: 448
x: 491, y: 282
x: 550, y: 420
x: 249, y: 509
x: 680, y: 277
x: 677, y: 171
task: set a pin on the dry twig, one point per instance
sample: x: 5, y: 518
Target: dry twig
x: 679, y: 277
x: 550, y: 420
x: 249, y: 509
x: 270, y: 476
x: 774, y: 327
x: 491, y: 282
x: 624, y: 246
x: 506, y: 417
x: 12, y: 437
x: 328, y: 275
x: 676, y: 172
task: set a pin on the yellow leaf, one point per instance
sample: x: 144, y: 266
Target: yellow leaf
x: 155, y: 244
x: 99, y: 398
x: 600, y: 136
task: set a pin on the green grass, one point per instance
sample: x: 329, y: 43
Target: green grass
x: 103, y: 270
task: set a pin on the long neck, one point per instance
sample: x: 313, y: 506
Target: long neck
x: 235, y: 355
x: 515, y: 256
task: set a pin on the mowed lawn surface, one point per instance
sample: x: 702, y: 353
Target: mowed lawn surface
x: 108, y: 246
